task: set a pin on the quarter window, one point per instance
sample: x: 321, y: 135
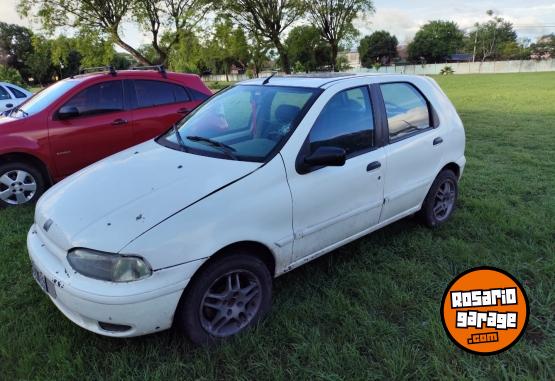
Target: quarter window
x: 407, y: 110
x: 346, y: 122
x: 101, y: 98
x: 157, y: 93
x: 16, y: 92
x: 4, y: 94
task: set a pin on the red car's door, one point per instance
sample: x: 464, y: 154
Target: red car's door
x: 158, y: 105
x: 99, y: 127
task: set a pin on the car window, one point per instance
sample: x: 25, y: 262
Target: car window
x: 156, y: 93
x: 346, y: 122
x: 197, y: 95
x: 99, y: 99
x: 4, y: 94
x: 16, y: 92
x: 243, y: 122
x: 407, y: 110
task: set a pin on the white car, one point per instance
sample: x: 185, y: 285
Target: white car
x: 190, y: 228
x: 11, y: 96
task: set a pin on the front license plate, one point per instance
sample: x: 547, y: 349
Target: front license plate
x: 45, y: 285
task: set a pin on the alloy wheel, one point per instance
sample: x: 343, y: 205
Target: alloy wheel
x: 444, y: 200
x: 230, y: 303
x: 17, y: 187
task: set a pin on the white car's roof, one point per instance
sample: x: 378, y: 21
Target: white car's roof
x: 311, y: 80
x: 15, y: 86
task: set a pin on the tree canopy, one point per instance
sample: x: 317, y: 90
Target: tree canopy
x: 379, y: 47
x: 307, y: 49
x: 334, y: 18
x: 435, y: 41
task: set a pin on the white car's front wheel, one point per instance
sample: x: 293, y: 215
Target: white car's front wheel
x: 230, y: 295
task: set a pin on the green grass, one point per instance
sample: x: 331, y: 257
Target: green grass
x: 367, y: 311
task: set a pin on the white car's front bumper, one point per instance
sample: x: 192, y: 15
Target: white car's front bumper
x: 144, y: 306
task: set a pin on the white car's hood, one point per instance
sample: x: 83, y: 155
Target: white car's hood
x: 110, y: 203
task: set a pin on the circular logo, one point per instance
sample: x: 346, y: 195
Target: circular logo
x: 484, y: 310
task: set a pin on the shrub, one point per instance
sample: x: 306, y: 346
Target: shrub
x: 447, y: 70
x: 10, y: 75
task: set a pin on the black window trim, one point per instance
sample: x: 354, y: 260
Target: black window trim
x: 124, y: 101
x: 379, y: 136
x: 13, y: 90
x: 135, y: 103
x: 432, y: 114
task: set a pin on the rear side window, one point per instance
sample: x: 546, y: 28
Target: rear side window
x: 99, y: 99
x: 407, y: 110
x: 197, y: 95
x: 156, y: 93
x: 346, y: 122
x: 4, y: 94
x: 16, y: 92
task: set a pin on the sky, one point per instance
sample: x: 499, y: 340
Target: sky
x: 531, y: 18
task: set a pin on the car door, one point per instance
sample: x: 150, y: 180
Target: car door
x: 6, y: 99
x: 100, y: 128
x: 414, y: 148
x: 157, y: 105
x: 335, y: 203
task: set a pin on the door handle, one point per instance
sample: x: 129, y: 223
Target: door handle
x: 437, y: 141
x: 9, y: 105
x: 119, y: 122
x: 373, y: 165
x: 184, y: 110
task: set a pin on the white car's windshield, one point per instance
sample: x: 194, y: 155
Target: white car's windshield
x: 43, y: 99
x: 245, y: 122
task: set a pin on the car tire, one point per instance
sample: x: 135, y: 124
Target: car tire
x: 441, y: 199
x: 227, y: 297
x: 20, y: 183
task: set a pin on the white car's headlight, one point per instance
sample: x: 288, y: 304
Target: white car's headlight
x: 107, y: 266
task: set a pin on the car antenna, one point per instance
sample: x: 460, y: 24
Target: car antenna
x: 270, y: 77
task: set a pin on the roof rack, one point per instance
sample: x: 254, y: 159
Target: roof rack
x: 159, y: 68
x: 98, y: 69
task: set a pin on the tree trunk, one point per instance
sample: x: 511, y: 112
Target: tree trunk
x: 138, y: 56
x: 334, y: 50
x: 283, y: 55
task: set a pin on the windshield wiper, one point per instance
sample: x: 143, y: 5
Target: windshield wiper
x: 228, y: 150
x: 179, y: 138
x: 17, y: 109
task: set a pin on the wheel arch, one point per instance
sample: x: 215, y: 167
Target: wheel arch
x: 29, y: 159
x: 254, y: 248
x: 452, y: 166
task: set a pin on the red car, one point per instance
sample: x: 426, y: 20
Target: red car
x: 80, y: 120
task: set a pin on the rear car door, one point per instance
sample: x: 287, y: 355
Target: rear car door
x: 331, y: 204
x: 100, y: 129
x: 414, y: 148
x: 157, y: 105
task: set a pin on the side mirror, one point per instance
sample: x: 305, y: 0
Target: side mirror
x: 327, y: 157
x: 67, y: 112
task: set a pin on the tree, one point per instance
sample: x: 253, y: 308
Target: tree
x: 489, y: 39
x: 259, y: 49
x: 544, y: 48
x: 435, y: 41
x: 39, y: 62
x: 15, y: 45
x: 267, y: 19
x: 335, y: 19
x: 379, y: 47
x: 306, y: 47
x: 106, y: 16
